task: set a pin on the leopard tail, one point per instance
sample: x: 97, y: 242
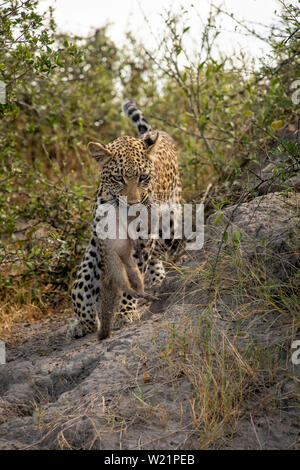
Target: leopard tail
x: 136, y: 116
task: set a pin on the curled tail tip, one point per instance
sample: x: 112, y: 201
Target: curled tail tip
x: 137, y: 118
x: 127, y: 104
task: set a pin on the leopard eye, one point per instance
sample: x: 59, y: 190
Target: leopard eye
x: 118, y: 179
x: 144, y: 178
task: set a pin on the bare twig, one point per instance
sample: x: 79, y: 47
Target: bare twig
x: 209, y: 186
x: 193, y: 134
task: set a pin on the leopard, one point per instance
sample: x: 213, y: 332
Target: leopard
x: 143, y: 169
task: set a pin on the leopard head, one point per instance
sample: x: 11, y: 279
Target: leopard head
x: 126, y: 167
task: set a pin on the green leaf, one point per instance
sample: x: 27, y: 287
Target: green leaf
x: 236, y: 237
x: 218, y: 218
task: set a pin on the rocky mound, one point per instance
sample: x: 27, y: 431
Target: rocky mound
x: 128, y: 393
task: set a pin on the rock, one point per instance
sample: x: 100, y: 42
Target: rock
x: 118, y: 393
x: 269, y: 227
x: 279, y: 175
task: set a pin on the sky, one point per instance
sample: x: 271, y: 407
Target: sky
x: 82, y: 16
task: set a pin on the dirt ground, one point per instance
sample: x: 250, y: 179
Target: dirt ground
x: 120, y: 394
x: 111, y: 395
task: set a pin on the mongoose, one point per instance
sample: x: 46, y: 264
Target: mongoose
x: 119, y: 274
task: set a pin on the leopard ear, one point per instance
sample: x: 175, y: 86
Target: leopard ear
x: 99, y: 152
x: 150, y: 140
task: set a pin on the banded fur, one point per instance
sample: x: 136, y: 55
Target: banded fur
x: 136, y: 116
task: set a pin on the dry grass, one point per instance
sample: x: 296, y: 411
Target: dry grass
x: 224, y: 356
x: 11, y: 315
x: 231, y: 349
x: 27, y: 301
x: 210, y: 360
x: 13, y: 312
x: 14, y: 315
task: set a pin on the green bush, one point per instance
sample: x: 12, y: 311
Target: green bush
x: 64, y: 91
